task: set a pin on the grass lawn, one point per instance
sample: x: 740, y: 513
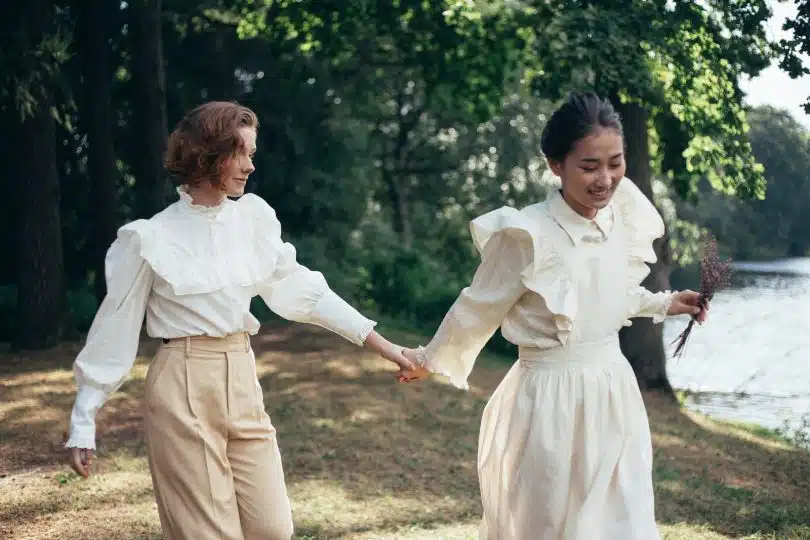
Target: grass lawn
x: 365, y: 457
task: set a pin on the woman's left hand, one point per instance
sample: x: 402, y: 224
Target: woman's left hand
x: 688, y: 303
x: 416, y: 374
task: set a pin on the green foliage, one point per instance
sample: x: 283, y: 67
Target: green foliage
x: 449, y: 44
x: 380, y: 276
x: 773, y: 227
x: 794, y: 49
x: 685, y: 237
x: 683, y: 60
x: 387, y: 126
x: 82, y: 302
x: 401, y: 282
x: 33, y: 47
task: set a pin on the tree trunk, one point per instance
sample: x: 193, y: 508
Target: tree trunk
x: 798, y: 245
x: 8, y: 206
x: 148, y: 95
x: 95, y: 52
x: 396, y: 178
x: 38, y: 243
x: 398, y: 195
x: 643, y: 342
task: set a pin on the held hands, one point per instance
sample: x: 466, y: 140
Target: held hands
x: 689, y: 303
x: 418, y: 372
x: 406, y: 360
x: 394, y: 353
x: 408, y: 365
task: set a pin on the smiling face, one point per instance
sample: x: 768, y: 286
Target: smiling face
x: 240, y: 166
x: 591, y: 171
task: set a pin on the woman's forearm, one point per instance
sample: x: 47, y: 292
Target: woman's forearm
x: 375, y: 342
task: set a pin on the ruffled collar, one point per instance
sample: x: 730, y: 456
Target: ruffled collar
x: 187, y: 203
x: 575, y: 225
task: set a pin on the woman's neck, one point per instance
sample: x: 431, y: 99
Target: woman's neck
x: 584, y: 211
x: 205, y: 195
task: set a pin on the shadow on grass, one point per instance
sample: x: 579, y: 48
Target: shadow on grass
x: 364, y: 453
x: 110, y: 498
x: 730, y: 478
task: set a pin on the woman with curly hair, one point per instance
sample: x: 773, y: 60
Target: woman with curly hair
x: 193, y: 269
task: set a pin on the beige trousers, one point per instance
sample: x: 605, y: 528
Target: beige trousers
x: 212, y: 450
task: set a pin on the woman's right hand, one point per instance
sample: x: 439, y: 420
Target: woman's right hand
x: 81, y: 459
x: 418, y: 372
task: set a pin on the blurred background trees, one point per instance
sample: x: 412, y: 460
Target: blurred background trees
x: 385, y: 127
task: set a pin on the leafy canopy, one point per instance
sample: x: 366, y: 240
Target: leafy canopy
x: 682, y: 60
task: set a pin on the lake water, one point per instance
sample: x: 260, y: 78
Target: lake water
x: 751, y: 360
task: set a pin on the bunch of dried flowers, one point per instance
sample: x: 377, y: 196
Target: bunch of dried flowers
x: 715, y: 274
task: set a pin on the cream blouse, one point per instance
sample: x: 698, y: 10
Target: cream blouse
x: 534, y: 263
x: 193, y: 270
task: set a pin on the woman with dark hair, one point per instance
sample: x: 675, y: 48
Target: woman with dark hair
x: 193, y: 269
x: 564, y: 449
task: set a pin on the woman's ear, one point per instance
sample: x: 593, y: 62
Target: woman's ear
x: 556, y: 167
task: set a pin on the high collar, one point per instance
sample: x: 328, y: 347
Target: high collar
x: 188, y: 205
x: 575, y: 225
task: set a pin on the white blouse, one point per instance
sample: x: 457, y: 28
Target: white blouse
x: 534, y: 262
x: 193, y: 270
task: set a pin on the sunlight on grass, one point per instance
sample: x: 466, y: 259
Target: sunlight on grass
x: 742, y: 430
x: 367, y: 458
x: 688, y: 532
x: 328, y: 510
x: 417, y: 532
x: 133, y: 520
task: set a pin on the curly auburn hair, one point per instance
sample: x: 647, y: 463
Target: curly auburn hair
x: 204, y: 140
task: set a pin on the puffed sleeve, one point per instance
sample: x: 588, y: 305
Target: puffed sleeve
x: 644, y: 303
x: 299, y: 294
x: 479, y: 310
x: 112, y: 342
x: 645, y: 225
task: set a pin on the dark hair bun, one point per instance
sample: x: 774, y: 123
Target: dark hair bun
x: 575, y: 119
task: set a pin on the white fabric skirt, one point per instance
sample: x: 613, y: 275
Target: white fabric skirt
x: 565, y: 450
